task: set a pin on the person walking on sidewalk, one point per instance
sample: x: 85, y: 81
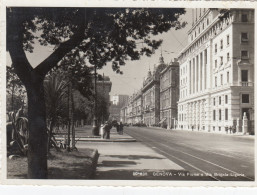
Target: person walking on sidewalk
x: 121, y: 128
x: 106, y: 129
x: 118, y: 127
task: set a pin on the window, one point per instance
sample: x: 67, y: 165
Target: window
x: 226, y: 114
x: 220, y: 100
x: 221, y: 79
x: 207, y: 21
x: 244, y: 75
x: 245, y: 98
x: 203, y: 25
x: 221, y: 60
x: 213, y: 101
x: 227, y: 39
x: 221, y: 44
x: 228, y: 57
x: 244, y: 37
x: 214, y: 115
x: 220, y: 114
x: 215, y: 81
x: 215, y: 48
x: 199, y: 30
x: 226, y: 99
x: 244, y: 18
x: 227, y: 77
x: 215, y: 63
x: 244, y: 54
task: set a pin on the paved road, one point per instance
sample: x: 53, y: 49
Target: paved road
x: 207, y: 156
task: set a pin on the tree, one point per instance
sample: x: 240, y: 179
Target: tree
x: 15, y: 89
x: 101, y: 34
x: 55, y: 96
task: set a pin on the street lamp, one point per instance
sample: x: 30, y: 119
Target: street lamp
x: 95, y: 130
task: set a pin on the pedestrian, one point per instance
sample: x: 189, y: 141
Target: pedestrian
x: 102, y: 131
x: 118, y: 127
x: 230, y: 129
x: 105, y: 130
x: 108, y: 129
x: 121, y: 128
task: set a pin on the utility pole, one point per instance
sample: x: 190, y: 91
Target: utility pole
x: 72, y: 121
x: 103, y: 101
x: 95, y: 130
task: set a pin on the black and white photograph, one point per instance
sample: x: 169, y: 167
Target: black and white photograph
x: 129, y: 94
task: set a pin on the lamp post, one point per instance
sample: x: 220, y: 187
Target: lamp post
x: 95, y: 130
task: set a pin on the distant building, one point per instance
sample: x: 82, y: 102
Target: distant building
x: 151, y: 95
x: 120, y: 100
x: 124, y: 114
x: 114, y: 112
x: 117, y: 102
x: 169, y: 94
x: 217, y: 72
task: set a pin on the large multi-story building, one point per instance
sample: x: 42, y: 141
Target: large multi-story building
x: 169, y: 94
x: 120, y: 100
x: 117, y: 102
x: 217, y: 71
x: 151, y: 95
x: 124, y: 114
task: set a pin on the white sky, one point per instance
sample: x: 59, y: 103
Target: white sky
x: 134, y: 71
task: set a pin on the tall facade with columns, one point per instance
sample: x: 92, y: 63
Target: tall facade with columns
x: 217, y: 71
x: 151, y: 95
x: 169, y: 94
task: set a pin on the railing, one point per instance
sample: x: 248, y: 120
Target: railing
x: 246, y: 83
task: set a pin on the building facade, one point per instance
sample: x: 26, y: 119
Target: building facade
x: 124, y: 114
x: 151, y: 95
x: 169, y: 95
x: 120, y: 100
x: 217, y: 72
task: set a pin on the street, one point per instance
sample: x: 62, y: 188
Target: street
x: 207, y: 156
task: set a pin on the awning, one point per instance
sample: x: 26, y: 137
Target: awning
x: 164, y: 119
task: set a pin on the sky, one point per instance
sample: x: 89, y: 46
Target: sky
x: 134, y: 71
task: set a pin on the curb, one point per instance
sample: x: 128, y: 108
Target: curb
x: 108, y: 140
x: 94, y: 157
x: 218, y: 133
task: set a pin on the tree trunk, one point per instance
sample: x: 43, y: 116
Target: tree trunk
x: 12, y: 98
x: 51, y: 126
x: 69, y: 117
x: 72, y: 121
x: 37, y: 144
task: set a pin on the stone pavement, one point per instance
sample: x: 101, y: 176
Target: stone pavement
x: 130, y: 160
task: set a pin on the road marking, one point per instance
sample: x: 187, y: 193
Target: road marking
x: 235, y: 155
x: 186, y: 163
x: 208, y: 162
x: 197, y: 158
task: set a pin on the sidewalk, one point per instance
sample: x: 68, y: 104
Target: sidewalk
x: 85, y: 134
x: 247, y: 136
x: 131, y: 160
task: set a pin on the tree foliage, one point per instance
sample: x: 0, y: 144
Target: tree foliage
x: 16, y: 92
x: 96, y: 35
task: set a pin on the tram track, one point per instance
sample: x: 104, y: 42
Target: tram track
x: 191, y: 162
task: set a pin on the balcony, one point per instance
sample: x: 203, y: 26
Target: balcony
x: 246, y: 83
